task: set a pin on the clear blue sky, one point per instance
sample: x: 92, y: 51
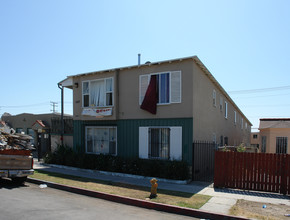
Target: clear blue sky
x: 245, y: 44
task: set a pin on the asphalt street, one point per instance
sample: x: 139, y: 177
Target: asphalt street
x: 32, y: 202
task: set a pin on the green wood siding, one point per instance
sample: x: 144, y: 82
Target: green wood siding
x: 128, y: 134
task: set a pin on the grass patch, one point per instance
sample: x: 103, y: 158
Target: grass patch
x: 138, y: 192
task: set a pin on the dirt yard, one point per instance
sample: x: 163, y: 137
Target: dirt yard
x: 255, y: 210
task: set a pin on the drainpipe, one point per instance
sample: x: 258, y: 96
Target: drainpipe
x: 62, y: 111
x: 116, y: 96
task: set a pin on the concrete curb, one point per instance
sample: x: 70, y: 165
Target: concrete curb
x: 136, y: 202
x: 182, y: 182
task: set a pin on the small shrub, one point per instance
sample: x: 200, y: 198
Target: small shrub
x: 154, y: 168
x: 241, y: 148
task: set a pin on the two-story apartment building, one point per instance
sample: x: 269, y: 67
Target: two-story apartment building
x: 153, y: 110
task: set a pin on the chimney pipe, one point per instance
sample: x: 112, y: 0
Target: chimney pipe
x: 139, y: 59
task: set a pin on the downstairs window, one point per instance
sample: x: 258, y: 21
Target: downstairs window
x: 101, y: 140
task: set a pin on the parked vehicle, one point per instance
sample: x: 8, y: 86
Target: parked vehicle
x: 16, y: 161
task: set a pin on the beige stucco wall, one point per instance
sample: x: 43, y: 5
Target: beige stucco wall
x: 129, y: 92
x: 126, y: 93
x: 209, y: 120
x: 271, y: 134
x: 197, y: 89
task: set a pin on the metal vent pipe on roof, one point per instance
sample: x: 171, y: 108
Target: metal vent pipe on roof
x: 139, y: 59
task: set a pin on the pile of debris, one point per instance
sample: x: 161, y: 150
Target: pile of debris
x: 15, y: 141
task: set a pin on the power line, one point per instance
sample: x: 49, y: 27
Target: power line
x: 259, y: 90
x: 269, y: 105
x: 261, y: 96
x: 23, y: 106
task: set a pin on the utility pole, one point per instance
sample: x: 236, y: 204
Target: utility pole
x: 54, y: 105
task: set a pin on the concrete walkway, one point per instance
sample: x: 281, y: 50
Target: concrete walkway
x: 221, y: 202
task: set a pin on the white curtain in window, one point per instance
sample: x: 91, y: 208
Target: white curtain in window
x: 97, y: 93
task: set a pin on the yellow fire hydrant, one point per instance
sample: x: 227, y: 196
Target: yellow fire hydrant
x: 154, y: 186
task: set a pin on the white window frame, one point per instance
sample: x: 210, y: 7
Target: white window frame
x: 101, y: 127
x: 175, y: 148
x: 221, y: 103
x: 175, y: 86
x: 226, y: 109
x: 214, y: 98
x: 105, y: 94
x: 242, y: 123
x: 160, y: 144
x: 235, y: 119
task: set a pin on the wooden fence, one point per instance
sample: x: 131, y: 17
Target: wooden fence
x: 203, y: 160
x: 253, y: 171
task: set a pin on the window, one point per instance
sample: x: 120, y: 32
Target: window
x: 242, y: 123
x: 163, y: 88
x: 226, y: 110
x: 235, y: 115
x: 30, y: 132
x: 255, y: 136
x: 160, y: 143
x: 226, y: 141
x: 281, y: 145
x: 101, y: 140
x: 222, y: 141
x: 98, y: 93
x: 19, y: 130
x: 221, y: 104
x: 214, y: 98
x: 168, y: 86
x: 263, y: 149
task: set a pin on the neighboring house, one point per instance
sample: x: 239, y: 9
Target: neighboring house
x: 155, y: 110
x: 255, y: 139
x: 274, y: 135
x: 44, y: 128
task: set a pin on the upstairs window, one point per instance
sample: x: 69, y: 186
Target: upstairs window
x: 226, y: 110
x: 163, y: 88
x: 98, y: 93
x: 221, y: 104
x: 235, y: 117
x: 168, y: 87
x: 214, y: 98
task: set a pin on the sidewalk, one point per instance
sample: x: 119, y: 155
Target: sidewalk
x: 221, y: 202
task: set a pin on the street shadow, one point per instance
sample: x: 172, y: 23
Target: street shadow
x: 9, y: 184
x: 252, y: 193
